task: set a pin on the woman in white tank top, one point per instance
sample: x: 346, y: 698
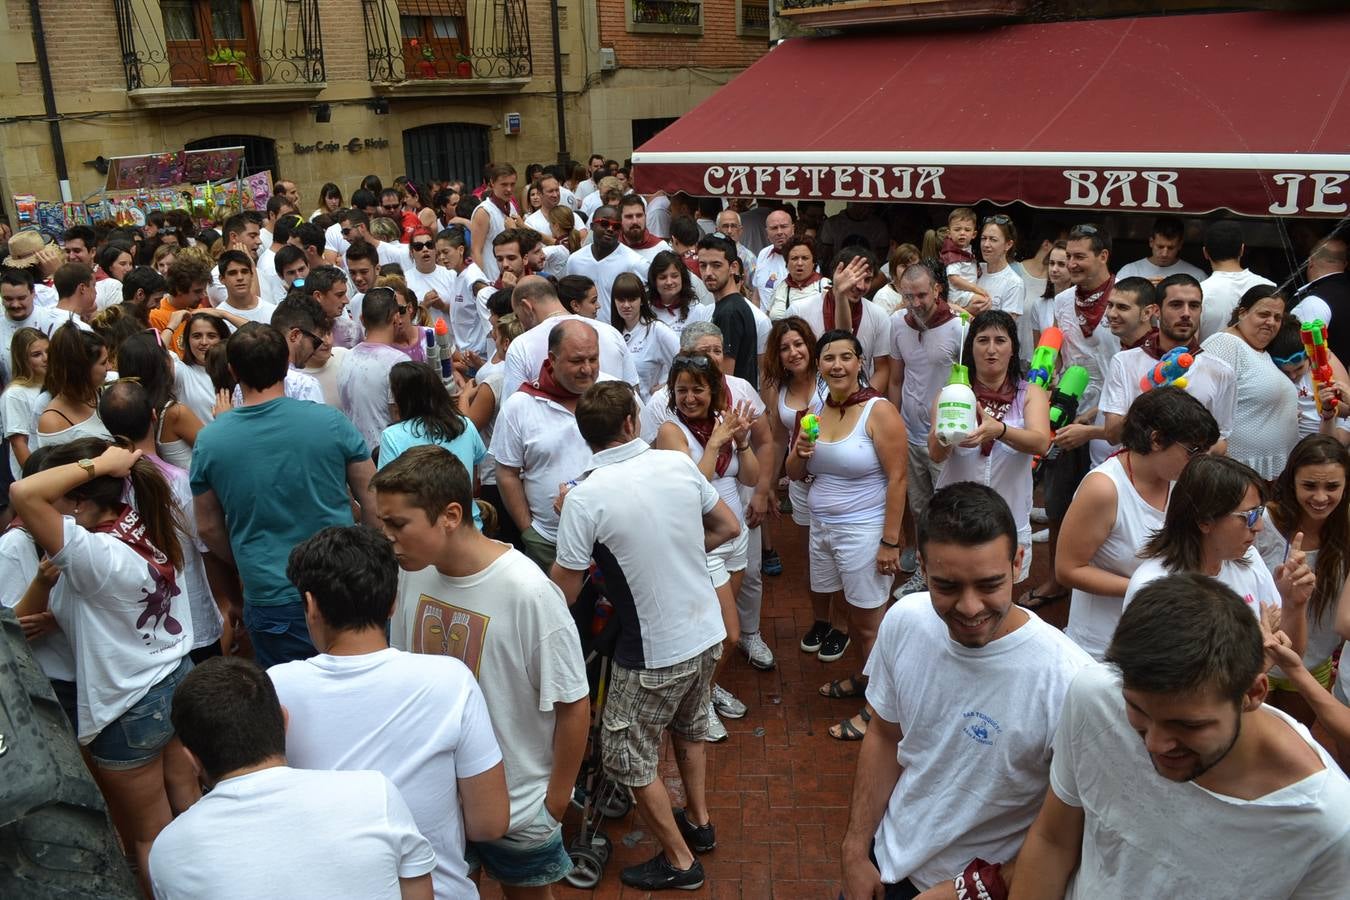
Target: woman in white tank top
x: 1120, y: 504
x: 1014, y: 423
x: 857, y: 500
x: 77, y: 364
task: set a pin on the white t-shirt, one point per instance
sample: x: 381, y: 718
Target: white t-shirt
x: 128, y: 629
x: 1144, y: 268
x: 1248, y: 578
x: 193, y: 387
x: 652, y: 345
x: 656, y: 411
x: 526, y: 355
x: 538, y: 220
x: 420, y: 720
x: 334, y: 241
x: 511, y: 626
x: 292, y: 833
x: 18, y: 416
x: 1221, y: 292
x: 207, y: 623
x: 363, y: 388
x: 1007, y: 291
x: 977, y: 725
x: 45, y: 319
x: 18, y: 564
x: 603, y: 272
x: 261, y: 311
x: 327, y: 375
x: 1322, y: 637
x: 1312, y: 308
x: 874, y: 331
x: 441, y: 280
x: 927, y: 356
x: 469, y: 322
x: 1146, y: 836
x: 271, y: 288
x: 970, y: 271
x: 697, y: 312
x: 539, y: 436
x: 658, y: 215
x: 395, y: 253
x: 770, y: 269
x: 1209, y: 380
x: 107, y: 292
x: 1093, y: 353
x: 297, y: 385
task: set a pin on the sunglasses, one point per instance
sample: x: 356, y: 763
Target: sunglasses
x: 318, y: 341
x: 999, y: 219
x: 606, y: 223
x: 346, y: 231
x: 1084, y: 229
x: 422, y: 245
x: 387, y: 208
x: 1193, y: 452
x: 699, y: 363
x: 1252, y: 516
x: 402, y: 310
x: 1291, y: 360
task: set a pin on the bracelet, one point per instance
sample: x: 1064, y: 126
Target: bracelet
x: 893, y: 546
x: 1005, y: 431
x: 742, y: 448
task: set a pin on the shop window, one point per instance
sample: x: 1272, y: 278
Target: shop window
x: 210, y: 41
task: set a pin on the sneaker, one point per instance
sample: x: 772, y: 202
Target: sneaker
x: 833, y: 647
x: 1038, y: 516
x: 909, y: 560
x: 811, y: 643
x: 915, y: 584
x: 772, y: 563
x: 700, y: 838
x: 724, y: 703
x: 758, y: 652
x: 657, y: 874
x: 1041, y: 537
x: 717, y: 732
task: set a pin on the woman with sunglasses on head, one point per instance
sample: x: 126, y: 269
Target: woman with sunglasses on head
x: 1212, y: 522
x: 716, y: 434
x: 176, y: 427
x: 857, y: 502
x: 651, y: 343
x: 77, y: 366
x: 1121, y: 503
x: 1014, y: 422
x: 1310, y: 499
x: 105, y: 518
x: 191, y: 381
x: 1265, y: 411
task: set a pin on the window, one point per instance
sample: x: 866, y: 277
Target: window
x: 435, y: 39
x: 752, y: 18
x: 446, y: 153
x: 665, y: 16
x: 210, y: 41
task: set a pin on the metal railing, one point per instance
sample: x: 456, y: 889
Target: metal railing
x: 411, y: 40
x: 667, y: 12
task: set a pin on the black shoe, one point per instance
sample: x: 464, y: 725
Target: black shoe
x: 811, y: 643
x: 700, y: 838
x: 656, y: 874
x: 833, y: 647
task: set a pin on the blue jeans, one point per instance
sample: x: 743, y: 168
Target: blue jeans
x: 279, y: 633
x: 532, y: 858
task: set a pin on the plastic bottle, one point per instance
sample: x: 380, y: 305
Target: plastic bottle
x: 956, y: 409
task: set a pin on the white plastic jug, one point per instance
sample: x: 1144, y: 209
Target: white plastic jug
x: 956, y: 419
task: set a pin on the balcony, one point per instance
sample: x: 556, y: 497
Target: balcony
x: 752, y: 18
x: 416, y: 47
x: 843, y: 13
x: 190, y: 52
x: 664, y: 16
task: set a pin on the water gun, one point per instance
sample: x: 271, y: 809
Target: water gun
x: 1314, y: 336
x: 1064, y: 405
x: 1170, y: 370
x: 445, y: 351
x: 811, y: 427
x: 1044, y: 358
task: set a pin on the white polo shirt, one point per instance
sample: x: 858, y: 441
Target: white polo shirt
x: 603, y: 272
x: 527, y: 353
x: 927, y: 356
x: 639, y: 512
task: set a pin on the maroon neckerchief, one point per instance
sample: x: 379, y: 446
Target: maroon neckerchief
x: 861, y: 395
x: 702, y: 430
x: 690, y: 260
x: 827, y: 311
x: 1091, y: 305
x: 951, y: 252
x: 799, y: 285
x: 994, y: 401
x: 942, y: 314
x: 506, y: 207
x: 1153, y: 346
x: 1148, y: 342
x: 648, y: 241
x: 130, y: 530
x: 547, y: 386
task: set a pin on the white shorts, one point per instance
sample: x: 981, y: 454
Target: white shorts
x: 730, y: 557
x: 797, y: 494
x: 843, y: 557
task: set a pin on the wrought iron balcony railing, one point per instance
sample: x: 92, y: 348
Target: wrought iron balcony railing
x: 188, y: 43
x: 667, y: 12
x: 412, y: 40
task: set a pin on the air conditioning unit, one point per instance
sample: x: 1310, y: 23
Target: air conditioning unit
x: 608, y: 61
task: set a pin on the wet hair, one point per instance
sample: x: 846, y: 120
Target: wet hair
x: 141, y: 357
x: 226, y: 712
x: 602, y: 410
x: 1187, y: 633
x: 702, y: 367
x: 967, y: 514
x: 300, y: 310
x: 217, y: 325
x: 770, y: 361
x: 71, y: 353
x: 1255, y: 295
x: 432, y: 478
x: 994, y: 320
x: 351, y: 574
x: 1210, y: 487
x: 1096, y: 236
x: 1332, y: 560
x: 422, y: 400
x: 499, y: 302
x: 17, y: 277
x: 378, y: 307
x: 21, y: 370
x: 1170, y: 416
x: 1141, y: 289
x: 662, y: 261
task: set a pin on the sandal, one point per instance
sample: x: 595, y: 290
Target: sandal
x: 835, y: 689
x: 847, y: 731
x: 1033, y: 600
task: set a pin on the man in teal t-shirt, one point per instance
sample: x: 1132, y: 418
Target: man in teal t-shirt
x: 267, y: 476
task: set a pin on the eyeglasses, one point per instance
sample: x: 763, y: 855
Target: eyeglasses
x: 422, y: 245
x: 402, y: 310
x: 1252, y: 516
x: 1291, y: 360
x: 346, y: 231
x: 1192, y: 452
x: 387, y: 208
x: 319, y: 342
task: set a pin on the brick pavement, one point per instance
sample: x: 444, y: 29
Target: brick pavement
x: 778, y: 789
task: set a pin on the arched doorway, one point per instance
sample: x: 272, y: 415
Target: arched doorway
x: 260, y: 154
x: 447, y: 152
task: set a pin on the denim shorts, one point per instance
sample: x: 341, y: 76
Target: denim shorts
x: 533, y: 857
x: 137, y: 736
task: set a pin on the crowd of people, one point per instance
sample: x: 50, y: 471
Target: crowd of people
x: 314, y: 516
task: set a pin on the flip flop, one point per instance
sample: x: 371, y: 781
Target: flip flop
x: 1033, y: 600
x: 848, y: 731
x: 835, y: 689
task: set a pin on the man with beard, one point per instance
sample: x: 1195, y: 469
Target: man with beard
x: 1209, y: 379
x: 1170, y: 776
x: 605, y: 258
x: 966, y: 688
x: 635, y: 236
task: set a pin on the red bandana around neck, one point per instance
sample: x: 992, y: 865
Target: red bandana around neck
x: 648, y: 241
x: 1152, y: 345
x: 861, y: 395
x: 828, y: 310
x: 1091, y: 305
x: 799, y: 285
x: 505, y: 206
x: 941, y: 315
x: 547, y: 386
x: 130, y: 530
x: 996, y: 401
x: 702, y: 430
x: 690, y: 260
x: 951, y: 252
x: 1149, y: 343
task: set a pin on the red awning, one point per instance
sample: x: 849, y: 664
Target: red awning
x: 1244, y: 111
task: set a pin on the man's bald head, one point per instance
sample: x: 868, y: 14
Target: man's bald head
x: 124, y: 407
x: 534, y: 299
x: 1327, y: 258
x: 574, y: 351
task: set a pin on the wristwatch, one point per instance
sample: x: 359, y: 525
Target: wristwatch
x: 88, y: 465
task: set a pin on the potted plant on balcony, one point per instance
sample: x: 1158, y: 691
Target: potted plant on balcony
x: 229, y: 66
x: 463, y: 66
x: 426, y: 65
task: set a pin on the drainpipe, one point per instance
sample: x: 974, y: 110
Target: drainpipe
x: 49, y: 100
x: 561, y: 114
